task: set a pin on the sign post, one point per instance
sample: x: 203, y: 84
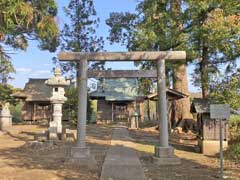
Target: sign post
x: 220, y: 112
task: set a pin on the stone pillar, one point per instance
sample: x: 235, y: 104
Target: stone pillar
x: 55, y: 126
x: 162, y: 104
x: 134, y: 120
x: 164, y: 154
x: 82, y: 105
x: 5, y: 118
x: 80, y: 153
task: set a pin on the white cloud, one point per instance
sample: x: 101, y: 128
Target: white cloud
x: 40, y: 73
x: 23, y: 70
x: 47, y: 64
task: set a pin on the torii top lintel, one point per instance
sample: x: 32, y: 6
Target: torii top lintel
x: 122, y: 56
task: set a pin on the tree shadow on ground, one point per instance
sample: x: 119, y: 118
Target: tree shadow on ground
x: 51, y: 160
x: 194, y: 165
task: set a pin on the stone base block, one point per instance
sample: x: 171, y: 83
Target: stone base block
x: 165, y: 161
x: 165, y: 156
x: 53, y: 134
x: 211, y: 147
x: 104, y: 122
x: 5, y: 122
x: 82, y: 157
x: 134, y: 123
x: 41, y: 136
x: 69, y: 135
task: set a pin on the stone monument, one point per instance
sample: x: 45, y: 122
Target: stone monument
x: 57, y: 99
x: 134, y: 123
x: 5, y: 117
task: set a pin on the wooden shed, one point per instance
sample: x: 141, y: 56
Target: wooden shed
x: 172, y: 96
x: 208, y: 129
x: 36, y: 98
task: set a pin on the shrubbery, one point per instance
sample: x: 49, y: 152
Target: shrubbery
x: 234, y: 128
x: 16, y: 112
x: 70, y: 107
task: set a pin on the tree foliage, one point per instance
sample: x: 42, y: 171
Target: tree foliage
x: 156, y: 26
x: 213, y: 29
x: 226, y: 90
x: 5, y: 94
x: 71, y: 105
x: 24, y: 20
x: 79, y: 34
x: 6, y: 68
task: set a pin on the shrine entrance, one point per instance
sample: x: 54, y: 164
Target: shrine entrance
x: 120, y: 112
x: 163, y: 152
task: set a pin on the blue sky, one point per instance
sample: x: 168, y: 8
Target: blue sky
x: 35, y: 63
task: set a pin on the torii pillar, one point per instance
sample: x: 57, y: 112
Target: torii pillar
x: 164, y: 154
x: 80, y: 153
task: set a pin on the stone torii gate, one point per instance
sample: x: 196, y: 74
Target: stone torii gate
x: 164, y: 154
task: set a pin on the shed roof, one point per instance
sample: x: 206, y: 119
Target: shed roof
x: 200, y: 106
x: 171, y: 95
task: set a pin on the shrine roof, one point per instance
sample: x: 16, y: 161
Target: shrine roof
x: 35, y: 90
x: 121, y: 89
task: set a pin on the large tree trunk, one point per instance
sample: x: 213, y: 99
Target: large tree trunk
x: 204, y: 73
x: 181, y: 106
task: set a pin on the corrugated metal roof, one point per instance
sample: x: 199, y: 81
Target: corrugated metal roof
x: 200, y: 106
x: 117, y: 90
x: 170, y: 93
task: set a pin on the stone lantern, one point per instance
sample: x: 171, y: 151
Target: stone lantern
x: 57, y: 99
x: 5, y: 117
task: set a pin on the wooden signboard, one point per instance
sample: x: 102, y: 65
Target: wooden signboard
x: 220, y: 111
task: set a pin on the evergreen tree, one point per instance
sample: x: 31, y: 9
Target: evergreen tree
x: 181, y: 107
x: 225, y: 89
x: 79, y: 34
x: 213, y: 30
x: 6, y: 68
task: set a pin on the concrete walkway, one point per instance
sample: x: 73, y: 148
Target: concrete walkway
x: 122, y: 162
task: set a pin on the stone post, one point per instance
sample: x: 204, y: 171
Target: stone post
x: 5, y: 118
x: 80, y: 153
x: 164, y: 154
